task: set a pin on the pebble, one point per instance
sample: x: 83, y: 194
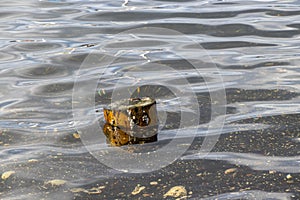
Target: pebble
x: 230, y: 170
x: 137, y: 189
x: 7, y: 174
x: 153, y: 183
x: 176, y: 191
x: 55, y: 182
x: 289, y: 176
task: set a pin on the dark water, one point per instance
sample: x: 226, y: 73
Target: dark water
x: 254, y: 44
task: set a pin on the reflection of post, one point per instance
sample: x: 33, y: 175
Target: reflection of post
x: 132, y: 121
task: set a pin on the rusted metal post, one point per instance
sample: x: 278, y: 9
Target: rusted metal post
x: 131, y: 121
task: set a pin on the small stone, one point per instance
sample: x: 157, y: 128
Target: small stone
x: 176, y: 191
x: 137, y: 189
x: 94, y: 190
x: 153, y: 183
x: 76, y: 135
x: 7, y: 174
x: 289, y: 176
x: 55, y: 182
x: 76, y: 190
x: 32, y: 160
x: 230, y: 170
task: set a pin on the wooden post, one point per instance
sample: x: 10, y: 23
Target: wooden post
x: 131, y: 121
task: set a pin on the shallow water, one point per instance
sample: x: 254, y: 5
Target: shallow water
x: 250, y: 65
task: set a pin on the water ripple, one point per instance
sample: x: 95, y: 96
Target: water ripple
x: 255, y: 161
x: 255, y: 45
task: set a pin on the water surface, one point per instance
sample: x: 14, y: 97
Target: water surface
x: 254, y: 44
